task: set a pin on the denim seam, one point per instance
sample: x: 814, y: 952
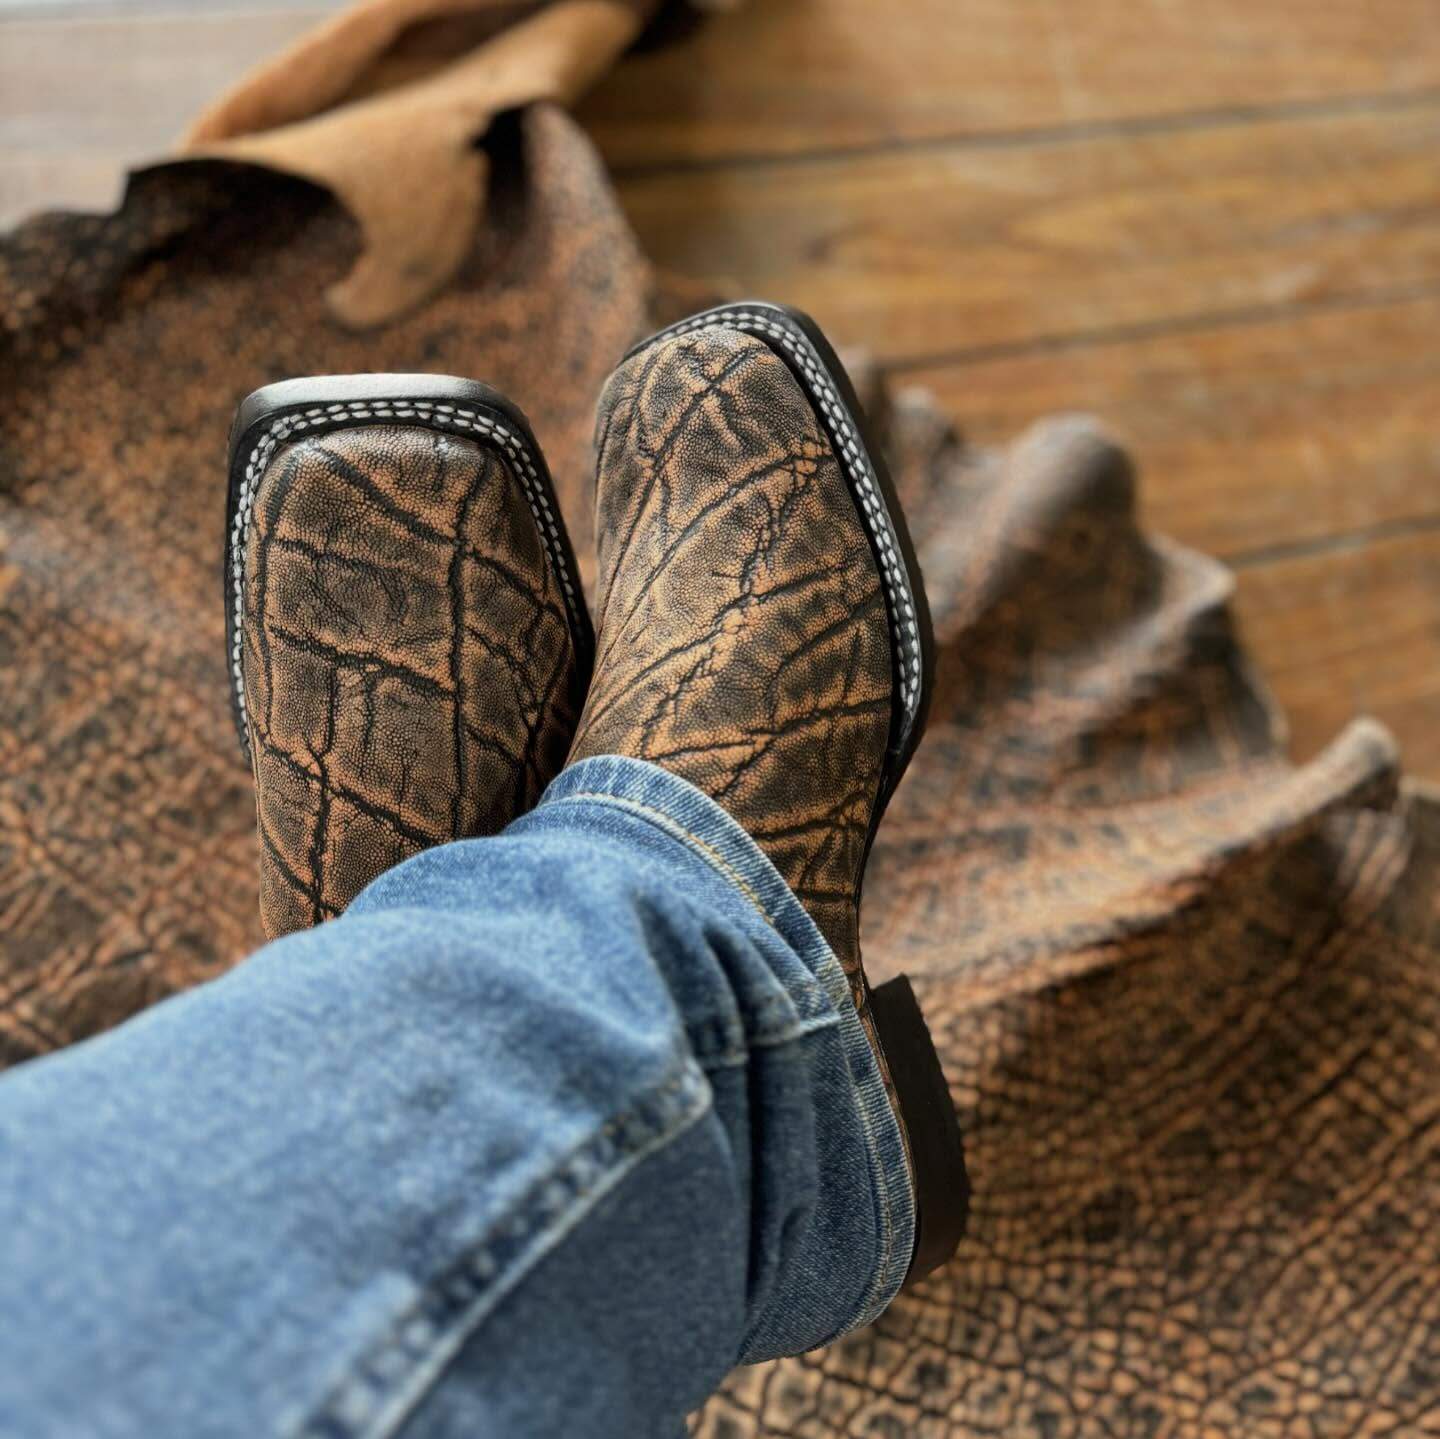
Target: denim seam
x: 386, y: 1384
x: 880, y: 1177
x: 874, y: 1301
x: 734, y: 1058
x: 774, y: 1020
x: 661, y: 820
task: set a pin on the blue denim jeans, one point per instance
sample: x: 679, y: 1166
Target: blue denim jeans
x: 542, y: 1137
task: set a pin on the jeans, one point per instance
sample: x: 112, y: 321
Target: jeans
x: 541, y: 1137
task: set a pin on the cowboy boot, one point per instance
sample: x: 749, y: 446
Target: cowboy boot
x: 408, y: 644
x: 762, y: 632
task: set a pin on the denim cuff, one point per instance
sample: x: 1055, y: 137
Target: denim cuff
x: 693, y: 820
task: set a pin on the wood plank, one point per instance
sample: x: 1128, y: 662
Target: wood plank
x: 1306, y: 453
x: 73, y: 9
x: 134, y: 79
x: 776, y: 78
x: 934, y: 249
x: 1250, y: 438
x: 1337, y: 635
x: 32, y: 181
x: 782, y: 78
x: 1296, y: 444
x: 81, y: 100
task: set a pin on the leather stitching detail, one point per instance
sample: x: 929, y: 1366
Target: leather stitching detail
x: 461, y: 419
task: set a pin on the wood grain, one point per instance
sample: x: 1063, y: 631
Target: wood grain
x: 1256, y: 439
x: 1306, y: 452
x: 1355, y: 631
x: 126, y: 80
x: 1218, y: 227
x: 958, y: 249
x: 790, y: 76
x: 84, y: 99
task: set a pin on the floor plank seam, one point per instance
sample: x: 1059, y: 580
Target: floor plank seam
x: 1341, y: 542
x: 1037, y: 136
x: 1240, y: 317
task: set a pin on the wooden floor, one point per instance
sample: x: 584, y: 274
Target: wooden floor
x: 1215, y: 223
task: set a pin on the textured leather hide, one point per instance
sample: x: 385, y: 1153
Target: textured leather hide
x: 1186, y: 992
x: 741, y: 627
x: 409, y: 671
x: 127, y: 820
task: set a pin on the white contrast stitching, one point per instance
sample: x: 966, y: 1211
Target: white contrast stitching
x: 380, y: 1389
x: 448, y: 417
x: 873, y: 513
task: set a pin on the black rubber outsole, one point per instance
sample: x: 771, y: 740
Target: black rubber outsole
x: 322, y: 404
x: 942, y: 1187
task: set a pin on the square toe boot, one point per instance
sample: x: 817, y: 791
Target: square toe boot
x: 762, y: 632
x: 407, y: 641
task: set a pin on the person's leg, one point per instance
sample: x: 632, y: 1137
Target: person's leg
x: 761, y: 629
x: 541, y: 1137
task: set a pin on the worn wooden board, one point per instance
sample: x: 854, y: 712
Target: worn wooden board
x: 126, y: 80
x: 1258, y: 440
x: 1218, y: 227
x: 1306, y: 452
x: 84, y: 98
x: 791, y: 76
x: 956, y: 249
x: 1352, y: 630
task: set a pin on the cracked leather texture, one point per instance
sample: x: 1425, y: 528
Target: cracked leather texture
x: 741, y: 628
x: 1185, y: 991
x: 127, y: 812
x: 409, y: 671
x: 1186, y: 994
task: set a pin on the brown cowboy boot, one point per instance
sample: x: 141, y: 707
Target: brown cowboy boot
x: 407, y: 641
x: 763, y: 633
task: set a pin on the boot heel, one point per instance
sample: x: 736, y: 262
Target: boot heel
x: 942, y: 1187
